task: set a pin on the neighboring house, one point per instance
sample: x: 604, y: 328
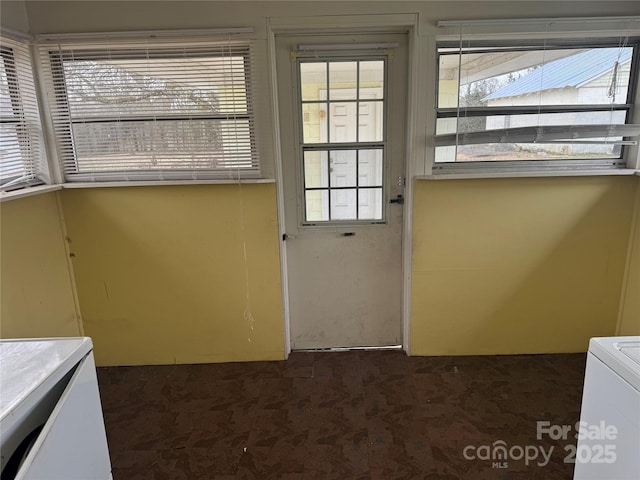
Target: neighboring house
x: 590, y: 77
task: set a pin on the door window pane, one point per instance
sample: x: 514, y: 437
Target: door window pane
x: 343, y: 168
x: 371, y: 76
x: 370, y: 168
x: 317, y: 205
x: 342, y: 122
x: 316, y: 169
x: 314, y: 122
x: 342, y: 80
x: 370, y: 121
x: 370, y: 204
x: 313, y: 79
x: 343, y: 204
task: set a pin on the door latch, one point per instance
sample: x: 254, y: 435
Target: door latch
x: 399, y: 199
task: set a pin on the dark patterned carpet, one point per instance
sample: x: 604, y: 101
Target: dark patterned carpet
x: 376, y: 415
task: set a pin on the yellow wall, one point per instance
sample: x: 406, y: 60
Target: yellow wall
x: 630, y: 311
x: 518, y: 265
x: 36, y: 292
x: 161, y: 273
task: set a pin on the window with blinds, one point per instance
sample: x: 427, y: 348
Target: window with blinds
x: 152, y: 111
x: 21, y: 160
x: 542, y: 99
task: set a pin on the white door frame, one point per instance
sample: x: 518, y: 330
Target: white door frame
x: 402, y: 23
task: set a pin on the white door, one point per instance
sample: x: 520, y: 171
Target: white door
x: 342, y: 123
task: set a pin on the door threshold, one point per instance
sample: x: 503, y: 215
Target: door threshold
x: 349, y: 349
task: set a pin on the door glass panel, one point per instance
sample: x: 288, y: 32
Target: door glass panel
x: 371, y: 76
x: 370, y: 204
x: 370, y: 168
x: 343, y: 204
x: 343, y: 168
x: 316, y: 169
x: 313, y: 79
x: 370, y: 121
x: 314, y: 122
x: 342, y: 102
x: 317, y: 205
x: 342, y: 122
x: 343, y: 79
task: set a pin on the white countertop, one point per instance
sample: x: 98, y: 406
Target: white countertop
x: 29, y: 366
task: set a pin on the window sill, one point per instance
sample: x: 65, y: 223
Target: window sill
x: 28, y: 192
x: 529, y: 174
x: 157, y: 183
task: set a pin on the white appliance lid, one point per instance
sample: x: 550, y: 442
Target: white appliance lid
x: 631, y: 350
x: 621, y: 354
x: 26, y: 365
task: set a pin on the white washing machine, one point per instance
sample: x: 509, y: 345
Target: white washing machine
x: 609, y: 430
x: 51, y: 423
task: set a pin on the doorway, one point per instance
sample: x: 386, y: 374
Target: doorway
x: 342, y: 108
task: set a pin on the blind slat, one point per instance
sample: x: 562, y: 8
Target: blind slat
x: 22, y: 156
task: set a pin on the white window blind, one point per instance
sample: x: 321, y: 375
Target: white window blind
x: 542, y: 92
x: 157, y: 109
x: 21, y: 162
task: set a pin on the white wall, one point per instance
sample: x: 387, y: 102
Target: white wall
x: 13, y: 15
x: 91, y: 16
